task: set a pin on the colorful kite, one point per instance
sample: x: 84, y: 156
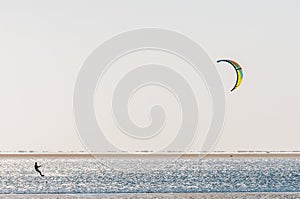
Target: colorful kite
x: 238, y: 69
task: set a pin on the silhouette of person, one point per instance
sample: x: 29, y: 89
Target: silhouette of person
x: 36, y: 167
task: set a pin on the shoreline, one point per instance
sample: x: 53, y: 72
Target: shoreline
x: 140, y: 156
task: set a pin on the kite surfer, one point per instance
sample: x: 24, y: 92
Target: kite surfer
x: 36, y: 167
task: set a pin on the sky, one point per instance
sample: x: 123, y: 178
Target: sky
x: 45, y: 43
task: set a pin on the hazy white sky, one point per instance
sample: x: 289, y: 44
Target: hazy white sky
x: 44, y: 43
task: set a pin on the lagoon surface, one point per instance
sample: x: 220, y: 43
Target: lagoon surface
x: 88, y: 176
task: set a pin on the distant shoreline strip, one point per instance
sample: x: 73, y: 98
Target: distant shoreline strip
x: 208, y: 156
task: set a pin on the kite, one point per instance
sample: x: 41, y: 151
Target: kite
x: 238, y: 69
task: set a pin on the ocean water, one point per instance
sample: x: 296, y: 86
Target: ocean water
x: 108, y: 176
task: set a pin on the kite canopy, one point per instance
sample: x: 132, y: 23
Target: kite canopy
x: 238, y: 69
